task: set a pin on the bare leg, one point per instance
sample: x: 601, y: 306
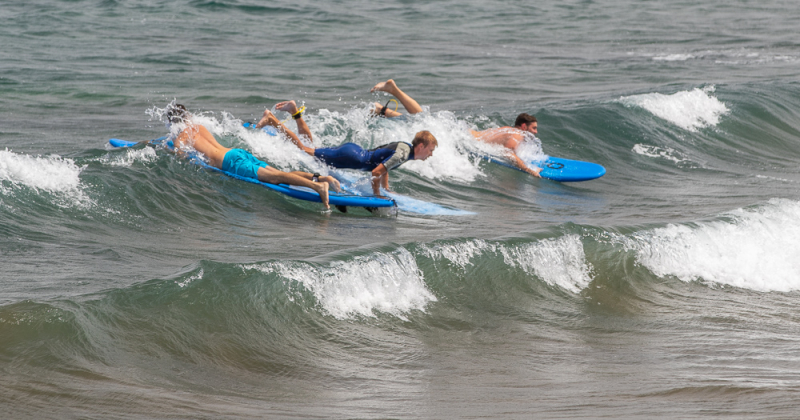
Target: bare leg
x: 270, y: 119
x: 275, y: 176
x: 291, y: 107
x: 391, y: 88
x: 332, y: 182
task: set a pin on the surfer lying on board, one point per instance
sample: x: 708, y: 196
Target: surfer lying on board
x: 352, y: 156
x: 511, y: 138
x: 239, y: 161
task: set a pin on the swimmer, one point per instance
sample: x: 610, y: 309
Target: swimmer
x: 511, y: 138
x: 239, y: 161
x: 379, y: 161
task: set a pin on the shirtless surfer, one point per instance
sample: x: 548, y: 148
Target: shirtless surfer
x: 511, y: 138
x: 239, y: 161
x: 378, y: 161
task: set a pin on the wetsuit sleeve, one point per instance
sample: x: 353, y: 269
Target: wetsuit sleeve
x: 400, y: 156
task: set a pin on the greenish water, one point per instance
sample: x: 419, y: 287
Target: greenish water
x: 137, y: 285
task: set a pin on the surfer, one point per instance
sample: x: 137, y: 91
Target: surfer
x: 511, y: 138
x: 378, y: 161
x: 239, y: 161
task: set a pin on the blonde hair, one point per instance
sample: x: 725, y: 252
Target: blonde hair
x: 426, y: 138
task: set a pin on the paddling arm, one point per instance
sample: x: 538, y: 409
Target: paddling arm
x: 521, y: 164
x: 380, y: 178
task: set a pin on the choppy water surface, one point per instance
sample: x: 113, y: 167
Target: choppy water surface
x: 137, y: 285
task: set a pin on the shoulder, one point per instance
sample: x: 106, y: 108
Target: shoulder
x: 514, y: 139
x: 401, y: 147
x: 392, y: 146
x: 191, y: 130
x: 201, y: 130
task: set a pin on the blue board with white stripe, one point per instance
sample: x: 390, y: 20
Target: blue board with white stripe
x: 559, y: 169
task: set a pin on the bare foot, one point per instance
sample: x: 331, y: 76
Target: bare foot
x: 268, y: 119
x: 333, y: 182
x: 287, y: 106
x: 535, y: 172
x: 388, y: 86
x: 322, y: 189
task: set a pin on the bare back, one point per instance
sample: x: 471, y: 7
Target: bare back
x: 508, y: 137
x: 199, y: 138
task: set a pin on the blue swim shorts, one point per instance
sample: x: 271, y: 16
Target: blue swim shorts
x: 242, y: 163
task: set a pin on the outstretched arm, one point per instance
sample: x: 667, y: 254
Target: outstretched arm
x: 511, y: 139
x: 380, y: 178
x: 521, y: 164
x: 302, y: 127
x: 270, y: 119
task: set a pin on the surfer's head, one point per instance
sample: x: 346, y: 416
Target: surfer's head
x: 424, y: 142
x: 176, y: 113
x: 527, y: 122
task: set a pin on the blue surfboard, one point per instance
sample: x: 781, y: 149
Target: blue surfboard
x: 558, y: 169
x: 272, y: 131
x: 302, y: 193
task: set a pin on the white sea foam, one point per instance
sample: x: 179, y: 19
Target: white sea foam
x: 658, y: 152
x: 52, y: 174
x: 756, y: 249
x: 191, y: 278
x: 130, y: 156
x: 673, y: 57
x: 774, y: 178
x: 381, y: 282
x: 460, y: 253
x: 690, y: 110
x: 559, y: 261
x: 752, y: 58
x: 726, y: 57
x: 530, y: 149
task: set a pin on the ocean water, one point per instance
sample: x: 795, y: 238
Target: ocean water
x: 134, y: 285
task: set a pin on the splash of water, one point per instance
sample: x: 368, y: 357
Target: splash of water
x: 52, y: 174
x: 755, y: 249
x: 690, y: 110
x: 381, y: 282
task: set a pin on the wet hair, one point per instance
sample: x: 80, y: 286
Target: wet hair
x: 176, y: 113
x: 524, y: 119
x: 425, y: 137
